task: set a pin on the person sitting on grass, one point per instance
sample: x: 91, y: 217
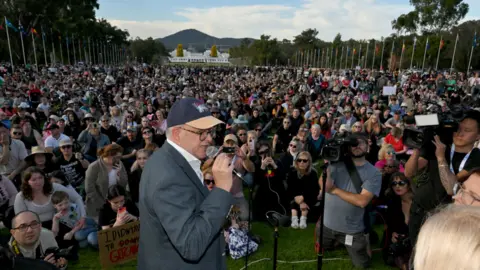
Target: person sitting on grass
x: 30, y: 240
x: 302, y: 188
x: 117, y: 211
x: 69, y: 215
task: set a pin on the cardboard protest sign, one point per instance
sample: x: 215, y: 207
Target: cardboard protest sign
x: 389, y: 90
x: 119, y: 245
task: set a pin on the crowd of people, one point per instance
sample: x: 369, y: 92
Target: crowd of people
x: 74, y: 142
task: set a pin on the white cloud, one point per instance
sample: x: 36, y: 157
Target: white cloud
x: 358, y: 19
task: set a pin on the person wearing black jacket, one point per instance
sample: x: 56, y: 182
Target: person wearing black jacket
x: 302, y: 189
x: 136, y: 173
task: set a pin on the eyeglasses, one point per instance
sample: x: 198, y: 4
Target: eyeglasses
x: 400, y: 183
x: 66, y: 147
x: 147, y: 132
x: 390, y: 153
x: 24, y: 227
x: 357, y: 126
x: 203, y: 134
x: 242, y: 134
x: 300, y: 160
x: 286, y: 123
x: 467, y: 196
x: 293, y: 145
x: 209, y: 182
x: 17, y: 133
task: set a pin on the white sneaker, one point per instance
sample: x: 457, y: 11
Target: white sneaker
x: 303, y: 223
x: 294, y: 222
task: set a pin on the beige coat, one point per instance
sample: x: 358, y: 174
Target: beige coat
x: 96, y: 185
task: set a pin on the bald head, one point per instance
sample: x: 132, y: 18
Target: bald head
x: 24, y: 217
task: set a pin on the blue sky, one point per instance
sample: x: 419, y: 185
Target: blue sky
x: 359, y: 19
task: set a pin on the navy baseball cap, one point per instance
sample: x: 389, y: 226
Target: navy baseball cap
x: 191, y: 112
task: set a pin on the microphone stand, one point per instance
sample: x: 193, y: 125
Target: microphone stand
x: 250, y: 200
x: 322, y: 211
x: 275, y: 246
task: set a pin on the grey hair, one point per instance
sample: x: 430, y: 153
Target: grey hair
x: 317, y: 126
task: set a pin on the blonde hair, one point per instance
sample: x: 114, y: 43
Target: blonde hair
x: 450, y: 240
x: 309, y: 157
x: 383, y: 151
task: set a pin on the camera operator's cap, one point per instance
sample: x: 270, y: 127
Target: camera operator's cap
x: 192, y: 112
x: 230, y: 137
x: 65, y: 142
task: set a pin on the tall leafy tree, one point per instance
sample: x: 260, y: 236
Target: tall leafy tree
x: 431, y: 15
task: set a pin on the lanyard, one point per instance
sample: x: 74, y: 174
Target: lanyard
x: 464, y: 160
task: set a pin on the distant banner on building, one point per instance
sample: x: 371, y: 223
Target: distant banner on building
x: 198, y: 60
x: 118, y: 245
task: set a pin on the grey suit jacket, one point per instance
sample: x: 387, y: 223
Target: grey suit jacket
x: 180, y: 220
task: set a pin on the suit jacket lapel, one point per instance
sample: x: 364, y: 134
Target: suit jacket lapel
x: 182, y: 162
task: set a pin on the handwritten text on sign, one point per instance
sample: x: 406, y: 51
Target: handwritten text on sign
x: 119, y: 245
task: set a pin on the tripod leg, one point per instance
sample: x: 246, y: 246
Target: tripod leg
x: 275, y: 247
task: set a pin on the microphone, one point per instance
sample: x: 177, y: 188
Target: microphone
x: 276, y: 219
x: 237, y: 174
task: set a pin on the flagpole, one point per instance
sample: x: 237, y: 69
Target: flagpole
x: 89, y: 52
x: 360, y: 54
x: 80, y: 59
x: 346, y: 58
x: 341, y: 60
x: 401, y: 55
x: 366, y: 55
x: 23, y: 47
x: 68, y: 50
x: 54, y: 57
x: 374, y: 54
x: 424, y: 55
x: 413, y: 51
x: 471, y: 51
x: 34, y: 51
x: 321, y: 62
x: 44, y: 47
x: 454, y: 51
x: 9, y: 47
x: 438, y: 54
x: 381, y: 56
x: 61, y: 50
x: 74, y: 53
x: 391, y: 55
x: 353, y: 56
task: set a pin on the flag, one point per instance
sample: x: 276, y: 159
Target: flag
x: 33, y: 31
x: 414, y: 43
x: 474, y: 44
x: 428, y: 44
x: 9, y: 24
x: 20, y: 27
x: 1, y: 81
x: 403, y: 47
x: 354, y: 51
x: 442, y: 43
x: 1, y: 26
x: 59, y: 37
x: 377, y: 49
x: 348, y: 51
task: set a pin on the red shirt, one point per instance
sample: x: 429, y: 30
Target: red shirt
x: 397, y: 145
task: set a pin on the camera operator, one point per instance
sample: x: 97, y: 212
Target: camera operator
x: 437, y: 177
x: 345, y: 206
x: 29, y: 240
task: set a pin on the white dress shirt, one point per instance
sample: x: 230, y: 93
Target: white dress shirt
x: 194, y: 162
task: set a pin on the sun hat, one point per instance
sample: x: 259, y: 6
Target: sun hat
x: 230, y: 137
x: 65, y: 142
x: 37, y: 150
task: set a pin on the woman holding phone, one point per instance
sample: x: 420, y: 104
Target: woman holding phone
x: 117, y: 210
x: 105, y: 172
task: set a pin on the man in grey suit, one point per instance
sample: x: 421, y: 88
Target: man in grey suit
x: 180, y: 220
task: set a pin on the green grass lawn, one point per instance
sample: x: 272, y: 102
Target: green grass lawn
x: 294, y: 245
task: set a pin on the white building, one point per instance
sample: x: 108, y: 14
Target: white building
x: 190, y: 57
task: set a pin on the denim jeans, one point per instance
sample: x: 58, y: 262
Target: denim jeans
x: 88, y: 235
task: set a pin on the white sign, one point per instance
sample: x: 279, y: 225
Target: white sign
x: 389, y: 90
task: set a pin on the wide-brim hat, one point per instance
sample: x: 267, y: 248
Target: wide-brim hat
x: 37, y: 150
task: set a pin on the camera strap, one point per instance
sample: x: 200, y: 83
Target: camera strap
x: 464, y: 160
x: 354, y: 176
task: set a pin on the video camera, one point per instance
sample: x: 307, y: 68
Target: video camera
x: 336, y: 149
x: 443, y: 124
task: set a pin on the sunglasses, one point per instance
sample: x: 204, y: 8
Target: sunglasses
x: 293, y: 145
x: 300, y: 160
x: 286, y: 123
x: 258, y: 129
x: 209, y: 182
x: 147, y: 132
x: 390, y: 166
x: 242, y: 134
x: 390, y: 153
x: 66, y: 147
x: 399, y: 183
x: 17, y: 133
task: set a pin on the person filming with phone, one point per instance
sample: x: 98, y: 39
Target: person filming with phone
x: 436, y: 176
